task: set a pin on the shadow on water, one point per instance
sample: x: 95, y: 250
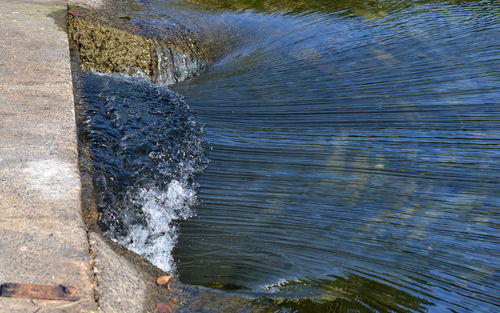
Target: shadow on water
x: 352, y: 293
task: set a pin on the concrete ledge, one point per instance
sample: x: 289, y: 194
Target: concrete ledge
x: 43, y: 238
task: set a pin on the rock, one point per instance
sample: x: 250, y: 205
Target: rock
x: 163, y: 280
x: 174, y: 300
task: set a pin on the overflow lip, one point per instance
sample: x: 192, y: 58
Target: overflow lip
x: 111, y: 40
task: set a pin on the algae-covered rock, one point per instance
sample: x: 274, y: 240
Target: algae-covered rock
x: 108, y: 43
x: 109, y: 50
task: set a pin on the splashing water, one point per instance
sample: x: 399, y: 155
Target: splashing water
x: 155, y: 240
x: 354, y: 165
x: 146, y: 148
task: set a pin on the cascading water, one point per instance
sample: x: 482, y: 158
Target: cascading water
x: 146, y: 147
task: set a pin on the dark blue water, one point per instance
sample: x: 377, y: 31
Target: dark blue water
x: 354, y: 161
x: 145, y: 148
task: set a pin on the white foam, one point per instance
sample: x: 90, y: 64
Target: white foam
x: 156, y: 239
x: 277, y: 285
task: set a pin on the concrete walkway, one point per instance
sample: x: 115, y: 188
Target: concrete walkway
x: 42, y: 236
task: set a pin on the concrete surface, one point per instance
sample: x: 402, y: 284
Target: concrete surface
x: 42, y: 236
x: 125, y: 281
x: 43, y: 239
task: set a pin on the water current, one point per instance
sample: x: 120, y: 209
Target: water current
x: 146, y: 148
x: 354, y: 157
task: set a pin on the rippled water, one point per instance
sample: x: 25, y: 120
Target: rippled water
x: 354, y: 161
x: 354, y: 151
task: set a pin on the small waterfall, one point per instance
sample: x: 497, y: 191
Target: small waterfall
x: 171, y: 67
x: 145, y: 145
x: 146, y: 148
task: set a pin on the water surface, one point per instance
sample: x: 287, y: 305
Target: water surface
x: 354, y: 160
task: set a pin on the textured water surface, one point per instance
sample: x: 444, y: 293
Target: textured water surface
x: 354, y: 156
x: 354, y: 160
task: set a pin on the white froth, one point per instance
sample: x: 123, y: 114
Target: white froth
x: 161, y: 208
x: 275, y: 286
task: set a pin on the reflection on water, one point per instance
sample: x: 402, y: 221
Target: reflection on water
x: 354, y: 162
x: 365, y: 8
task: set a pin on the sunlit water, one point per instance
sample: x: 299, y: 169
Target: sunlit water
x: 354, y: 160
